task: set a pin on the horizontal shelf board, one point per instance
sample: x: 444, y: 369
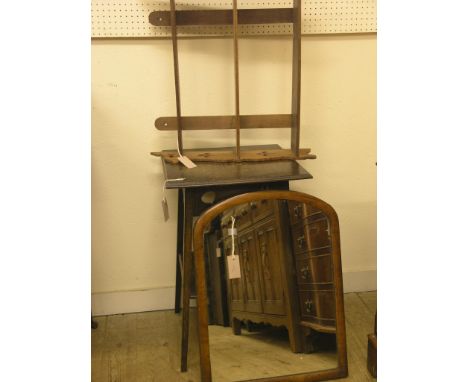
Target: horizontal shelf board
x: 230, y: 156
x: 223, y: 17
x: 319, y: 327
x: 225, y: 122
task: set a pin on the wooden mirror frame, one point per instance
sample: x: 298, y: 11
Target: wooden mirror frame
x: 205, y: 219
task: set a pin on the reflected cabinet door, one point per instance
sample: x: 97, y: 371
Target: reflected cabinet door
x: 250, y: 272
x: 270, y: 268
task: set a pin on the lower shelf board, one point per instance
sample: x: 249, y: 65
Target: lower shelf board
x: 230, y: 156
x: 318, y: 327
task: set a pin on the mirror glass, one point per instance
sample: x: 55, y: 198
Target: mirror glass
x: 271, y: 291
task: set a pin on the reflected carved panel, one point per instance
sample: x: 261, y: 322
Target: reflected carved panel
x: 249, y: 271
x: 269, y: 251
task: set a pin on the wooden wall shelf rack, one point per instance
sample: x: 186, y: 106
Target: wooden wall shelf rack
x: 179, y: 123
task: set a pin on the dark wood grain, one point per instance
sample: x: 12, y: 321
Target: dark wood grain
x: 179, y: 249
x: 206, y: 218
x: 223, y: 17
x: 270, y: 121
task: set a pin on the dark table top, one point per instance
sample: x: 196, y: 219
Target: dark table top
x: 223, y: 174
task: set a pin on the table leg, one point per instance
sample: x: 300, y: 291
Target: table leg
x: 180, y: 248
x: 187, y: 275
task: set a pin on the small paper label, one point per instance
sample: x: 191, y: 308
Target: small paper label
x: 232, y: 231
x: 186, y: 161
x: 165, y: 208
x: 218, y: 252
x: 233, y: 267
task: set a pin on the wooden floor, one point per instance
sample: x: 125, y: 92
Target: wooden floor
x: 144, y: 347
x: 260, y: 354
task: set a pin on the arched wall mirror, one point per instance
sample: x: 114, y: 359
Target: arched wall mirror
x: 270, y: 290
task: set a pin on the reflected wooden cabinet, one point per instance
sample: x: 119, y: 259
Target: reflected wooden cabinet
x: 286, y: 267
x: 263, y: 292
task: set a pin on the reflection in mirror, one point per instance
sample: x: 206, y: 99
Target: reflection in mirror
x: 271, y: 291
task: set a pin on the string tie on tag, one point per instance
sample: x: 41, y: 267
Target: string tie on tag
x: 232, y: 235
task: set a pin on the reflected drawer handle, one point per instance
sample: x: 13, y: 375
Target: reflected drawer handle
x: 309, y: 304
x: 298, y: 211
x: 300, y: 241
x: 253, y: 205
x: 305, y: 272
x: 244, y: 212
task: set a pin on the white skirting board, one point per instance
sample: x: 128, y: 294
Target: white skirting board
x: 360, y: 281
x: 133, y: 301
x: 163, y: 298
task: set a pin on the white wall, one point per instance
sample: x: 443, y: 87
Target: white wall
x: 133, y: 264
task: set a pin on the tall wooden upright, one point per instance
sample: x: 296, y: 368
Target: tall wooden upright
x: 236, y: 74
x: 176, y: 75
x: 296, y: 80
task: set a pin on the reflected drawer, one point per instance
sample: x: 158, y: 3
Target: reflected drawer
x: 261, y: 209
x: 315, y: 269
x: 299, y: 211
x: 311, y: 236
x: 317, y: 305
x: 317, y: 234
x: 308, y: 304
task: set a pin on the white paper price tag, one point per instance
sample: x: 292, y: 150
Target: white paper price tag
x: 232, y: 231
x: 233, y: 267
x: 186, y: 161
x: 218, y: 252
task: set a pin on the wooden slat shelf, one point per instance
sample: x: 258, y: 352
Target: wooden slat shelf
x: 223, y: 17
x: 179, y: 123
x: 230, y: 156
x: 321, y: 328
x: 225, y: 122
